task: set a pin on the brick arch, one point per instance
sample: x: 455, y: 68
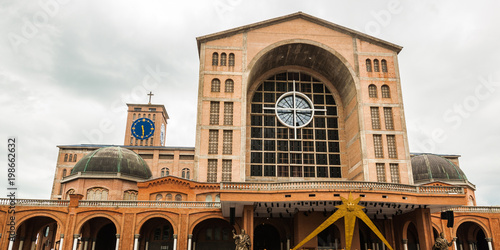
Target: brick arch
x: 30, y: 215
x: 152, y: 216
x: 405, y: 228
x: 204, y: 218
x: 85, y: 219
x: 479, y: 223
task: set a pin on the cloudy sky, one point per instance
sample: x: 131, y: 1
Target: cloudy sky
x: 68, y: 67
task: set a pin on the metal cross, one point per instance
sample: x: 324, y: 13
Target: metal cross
x: 150, y: 94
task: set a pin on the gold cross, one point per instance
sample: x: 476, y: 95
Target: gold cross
x: 150, y: 94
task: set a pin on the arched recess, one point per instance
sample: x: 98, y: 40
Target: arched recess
x: 99, y: 232
x: 207, y: 217
x: 308, y: 54
x: 37, y: 232
x: 213, y: 233
x: 267, y: 237
x: 330, y: 238
x: 156, y: 215
x: 85, y: 219
x: 156, y: 233
x: 471, y: 235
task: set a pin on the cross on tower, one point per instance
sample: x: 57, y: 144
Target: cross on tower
x: 150, y: 94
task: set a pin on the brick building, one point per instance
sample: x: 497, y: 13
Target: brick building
x: 293, y: 113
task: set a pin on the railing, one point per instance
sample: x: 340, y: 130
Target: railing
x: 478, y: 209
x: 34, y: 203
x: 340, y: 185
x: 150, y: 204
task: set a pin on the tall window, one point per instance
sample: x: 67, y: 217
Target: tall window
x: 384, y: 65
x: 380, y: 172
x: 215, y: 59
x: 74, y: 158
x: 213, y: 141
x: 391, y: 146
x: 375, y: 117
x: 215, y: 85
x: 227, y: 142
x: 97, y: 194
x: 372, y: 91
x: 231, y: 59
x: 65, y: 157
x: 386, y: 93
x: 229, y: 86
x: 70, y: 158
x: 389, y: 123
x: 377, y: 143
x: 368, y: 65
x: 214, y: 113
x: 223, y: 58
x: 226, y: 170
x: 130, y: 195
x: 64, y: 173
x: 394, y: 173
x: 228, y: 113
x: 186, y: 173
x: 376, y: 66
x: 165, y: 172
x: 212, y: 170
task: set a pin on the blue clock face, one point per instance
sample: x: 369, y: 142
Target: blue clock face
x: 143, y: 128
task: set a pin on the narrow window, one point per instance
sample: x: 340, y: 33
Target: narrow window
x: 394, y: 172
x: 215, y: 85
x: 227, y: 142
x: 74, y: 158
x: 223, y: 58
x: 386, y: 93
x: 185, y: 173
x: 376, y: 67
x: 380, y: 172
x: 214, y: 113
x: 372, y: 91
x: 368, y: 65
x: 231, y: 59
x: 212, y: 170
x: 384, y: 65
x: 215, y: 59
x: 65, y: 157
x: 64, y: 173
x: 377, y: 143
x: 165, y: 172
x: 226, y: 170
x: 391, y: 146
x: 213, y: 141
x: 229, y: 86
x: 228, y: 113
x: 375, y: 117
x: 70, y: 158
x: 389, y: 123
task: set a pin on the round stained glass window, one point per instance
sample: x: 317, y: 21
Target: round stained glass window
x: 294, y: 110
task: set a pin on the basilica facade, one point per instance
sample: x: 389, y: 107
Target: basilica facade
x: 294, y: 113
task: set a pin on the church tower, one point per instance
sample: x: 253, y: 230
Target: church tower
x: 146, y: 125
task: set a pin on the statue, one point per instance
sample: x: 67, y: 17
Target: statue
x: 441, y: 243
x: 242, y: 240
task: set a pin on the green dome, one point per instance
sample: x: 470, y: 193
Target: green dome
x: 429, y: 167
x: 110, y: 160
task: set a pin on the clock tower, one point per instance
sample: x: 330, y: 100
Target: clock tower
x: 146, y: 125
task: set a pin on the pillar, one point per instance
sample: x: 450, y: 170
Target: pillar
x: 93, y: 244
x: 424, y: 228
x: 175, y: 242
x: 490, y: 247
x: 405, y: 244
x: 11, y: 243
x: 117, y: 242
x: 21, y: 243
x: 190, y: 239
x: 33, y: 243
x: 288, y: 243
x: 85, y: 243
x: 248, y: 221
x: 75, y: 240
x: 455, y: 243
x: 61, y: 242
x: 136, y: 241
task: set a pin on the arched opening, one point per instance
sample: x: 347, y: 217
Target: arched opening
x: 267, y: 237
x: 213, y: 234
x: 470, y: 236
x: 367, y: 238
x: 329, y: 238
x: 36, y: 233
x: 98, y: 233
x: 156, y: 233
x: 412, y: 234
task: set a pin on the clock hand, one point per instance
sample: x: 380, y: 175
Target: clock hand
x: 142, y: 130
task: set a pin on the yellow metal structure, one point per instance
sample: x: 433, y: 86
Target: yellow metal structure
x: 349, y: 210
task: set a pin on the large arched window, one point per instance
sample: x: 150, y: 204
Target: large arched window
x: 277, y: 150
x: 215, y: 85
x: 97, y: 193
x: 372, y: 91
x: 368, y: 65
x: 130, y: 195
x: 386, y: 92
x: 231, y: 59
x: 223, y: 59
x: 215, y: 59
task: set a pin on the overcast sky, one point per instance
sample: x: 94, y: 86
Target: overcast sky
x: 67, y: 69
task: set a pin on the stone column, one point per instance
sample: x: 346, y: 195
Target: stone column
x: 93, y: 244
x: 85, y: 243
x: 61, y: 242
x: 75, y: 241
x: 11, y: 243
x: 147, y: 245
x: 405, y: 244
x: 175, y: 242
x: 136, y: 241
x: 455, y: 243
x: 21, y: 243
x: 33, y: 243
x: 248, y: 221
x: 490, y: 246
x: 190, y: 239
x: 288, y: 244
x: 117, y: 242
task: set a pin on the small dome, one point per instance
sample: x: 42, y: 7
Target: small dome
x: 113, y: 160
x: 429, y: 167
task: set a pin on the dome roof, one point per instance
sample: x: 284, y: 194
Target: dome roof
x: 429, y: 167
x: 113, y: 160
